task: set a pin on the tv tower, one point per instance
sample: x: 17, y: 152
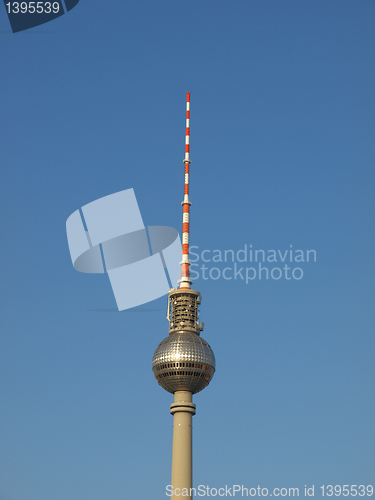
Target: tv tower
x: 183, y: 363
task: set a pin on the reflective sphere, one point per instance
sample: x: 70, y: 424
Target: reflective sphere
x: 183, y: 361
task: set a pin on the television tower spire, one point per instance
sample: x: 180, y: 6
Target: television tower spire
x: 185, y: 280
x: 183, y: 363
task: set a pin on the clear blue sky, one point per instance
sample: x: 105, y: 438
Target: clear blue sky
x: 282, y: 148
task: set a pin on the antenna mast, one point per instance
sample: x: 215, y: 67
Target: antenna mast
x: 185, y: 280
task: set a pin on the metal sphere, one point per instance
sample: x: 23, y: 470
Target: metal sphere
x: 183, y: 361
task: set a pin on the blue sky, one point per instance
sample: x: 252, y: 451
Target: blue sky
x: 282, y: 149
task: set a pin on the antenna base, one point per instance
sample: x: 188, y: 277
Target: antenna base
x: 185, y: 279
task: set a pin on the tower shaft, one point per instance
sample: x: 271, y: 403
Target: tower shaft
x: 182, y: 462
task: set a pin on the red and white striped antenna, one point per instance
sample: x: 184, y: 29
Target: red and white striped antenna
x: 185, y: 280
